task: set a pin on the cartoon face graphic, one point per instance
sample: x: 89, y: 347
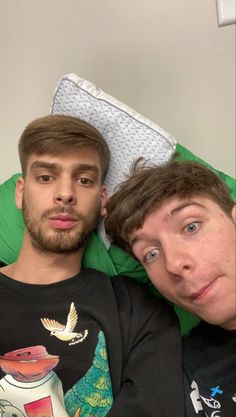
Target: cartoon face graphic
x: 28, y: 364
x: 8, y: 410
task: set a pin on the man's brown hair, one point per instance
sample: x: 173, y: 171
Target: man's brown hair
x: 148, y: 187
x: 59, y: 134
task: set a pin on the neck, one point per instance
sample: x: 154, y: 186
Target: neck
x: 36, y: 267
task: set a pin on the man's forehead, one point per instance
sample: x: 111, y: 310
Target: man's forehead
x: 175, y: 204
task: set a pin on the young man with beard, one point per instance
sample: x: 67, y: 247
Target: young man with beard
x: 179, y: 220
x: 75, y: 342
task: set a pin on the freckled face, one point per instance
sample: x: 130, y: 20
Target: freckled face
x: 188, y: 250
x: 62, y: 199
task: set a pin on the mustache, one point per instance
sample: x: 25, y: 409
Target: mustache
x: 63, y: 210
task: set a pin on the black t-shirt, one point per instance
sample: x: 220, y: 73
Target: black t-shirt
x: 209, y: 355
x: 88, y: 346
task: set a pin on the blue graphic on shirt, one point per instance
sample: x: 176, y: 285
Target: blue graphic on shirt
x: 216, y: 390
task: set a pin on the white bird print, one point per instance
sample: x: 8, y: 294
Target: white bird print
x: 65, y: 332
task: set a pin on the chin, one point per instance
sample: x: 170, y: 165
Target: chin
x: 225, y: 320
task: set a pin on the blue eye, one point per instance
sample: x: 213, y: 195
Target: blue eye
x: 191, y: 227
x: 151, y: 256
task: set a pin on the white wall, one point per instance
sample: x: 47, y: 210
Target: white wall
x: 168, y: 59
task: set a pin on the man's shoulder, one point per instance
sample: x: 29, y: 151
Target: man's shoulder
x: 129, y: 291
x: 118, y: 282
x: 132, y: 287
x: 130, y: 295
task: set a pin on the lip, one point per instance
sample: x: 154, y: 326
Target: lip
x: 63, y: 217
x: 200, y: 294
x: 63, y: 221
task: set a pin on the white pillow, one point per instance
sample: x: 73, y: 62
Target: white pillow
x: 128, y: 134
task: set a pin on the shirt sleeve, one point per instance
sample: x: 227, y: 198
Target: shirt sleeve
x: 152, y: 378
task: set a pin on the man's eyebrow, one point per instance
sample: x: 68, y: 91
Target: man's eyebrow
x: 43, y: 164
x: 51, y: 166
x: 184, y: 205
x: 86, y: 167
x: 141, y: 237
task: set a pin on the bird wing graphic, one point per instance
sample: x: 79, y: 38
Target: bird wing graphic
x: 71, y: 319
x: 52, y: 324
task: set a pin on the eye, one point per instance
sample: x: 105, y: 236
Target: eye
x: 45, y: 178
x: 85, y: 181
x: 192, y: 227
x: 151, y: 256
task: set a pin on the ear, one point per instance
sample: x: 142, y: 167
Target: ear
x: 19, y: 192
x: 233, y: 213
x: 104, y: 199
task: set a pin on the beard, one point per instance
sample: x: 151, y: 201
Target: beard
x: 57, y: 240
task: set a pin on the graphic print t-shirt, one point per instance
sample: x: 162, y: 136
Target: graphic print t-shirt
x: 53, y: 351
x: 209, y: 354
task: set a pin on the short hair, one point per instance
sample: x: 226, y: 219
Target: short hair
x: 149, y: 186
x: 59, y: 134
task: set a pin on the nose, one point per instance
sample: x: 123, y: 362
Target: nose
x: 65, y: 193
x: 178, y: 261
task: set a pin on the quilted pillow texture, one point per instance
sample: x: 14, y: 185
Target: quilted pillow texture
x: 128, y: 134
